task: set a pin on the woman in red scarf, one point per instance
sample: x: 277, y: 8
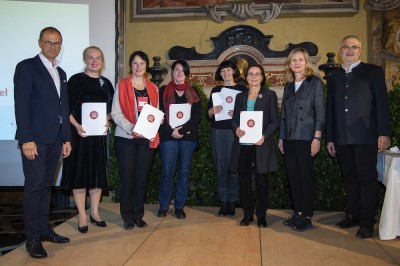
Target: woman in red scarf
x: 134, y: 153
x: 178, y: 143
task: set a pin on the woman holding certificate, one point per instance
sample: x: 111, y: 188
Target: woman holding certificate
x: 87, y: 166
x: 179, y: 135
x: 222, y: 135
x: 254, y: 123
x: 301, y: 125
x: 134, y: 152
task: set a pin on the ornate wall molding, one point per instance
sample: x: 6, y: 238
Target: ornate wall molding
x: 239, y: 35
x: 241, y: 10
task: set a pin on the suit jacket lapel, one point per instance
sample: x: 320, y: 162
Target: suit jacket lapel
x: 49, y: 79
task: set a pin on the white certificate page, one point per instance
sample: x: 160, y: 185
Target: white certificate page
x: 179, y: 114
x: 94, y: 118
x: 225, y: 98
x: 217, y: 100
x: 251, y: 123
x: 149, y: 122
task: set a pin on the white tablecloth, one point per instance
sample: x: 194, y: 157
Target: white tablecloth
x: 389, y: 167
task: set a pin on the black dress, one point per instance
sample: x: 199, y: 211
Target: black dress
x: 87, y: 165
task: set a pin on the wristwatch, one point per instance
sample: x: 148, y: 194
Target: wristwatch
x: 318, y: 138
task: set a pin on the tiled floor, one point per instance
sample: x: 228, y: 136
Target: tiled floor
x: 203, y: 238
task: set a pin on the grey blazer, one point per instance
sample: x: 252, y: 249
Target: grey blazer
x: 303, y: 112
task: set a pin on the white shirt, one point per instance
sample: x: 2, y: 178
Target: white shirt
x: 53, y: 71
x: 351, y: 67
x: 297, y: 85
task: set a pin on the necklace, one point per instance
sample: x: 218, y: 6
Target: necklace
x: 143, y: 94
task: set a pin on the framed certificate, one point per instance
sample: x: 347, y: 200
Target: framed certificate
x: 148, y: 122
x: 179, y: 114
x: 252, y: 123
x: 94, y: 118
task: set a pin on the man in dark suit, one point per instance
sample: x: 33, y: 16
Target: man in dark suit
x: 43, y: 133
x: 358, y: 126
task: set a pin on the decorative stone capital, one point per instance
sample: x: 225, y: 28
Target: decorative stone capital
x: 382, y: 5
x: 245, y: 11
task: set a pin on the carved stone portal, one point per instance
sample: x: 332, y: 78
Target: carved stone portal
x: 244, y: 42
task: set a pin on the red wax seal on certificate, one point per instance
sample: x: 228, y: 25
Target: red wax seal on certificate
x: 93, y: 115
x: 251, y: 123
x: 179, y: 114
x: 229, y: 99
x: 150, y: 118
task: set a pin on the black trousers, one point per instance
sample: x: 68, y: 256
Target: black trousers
x: 246, y: 160
x: 358, y: 164
x: 39, y: 176
x: 135, y: 161
x: 300, y: 172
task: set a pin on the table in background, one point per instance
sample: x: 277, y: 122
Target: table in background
x: 389, y: 174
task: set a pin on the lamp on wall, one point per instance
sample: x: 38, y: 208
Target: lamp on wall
x: 330, y: 65
x: 157, y: 71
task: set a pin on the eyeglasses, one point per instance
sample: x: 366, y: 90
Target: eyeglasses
x: 50, y: 44
x: 254, y: 74
x: 350, y: 48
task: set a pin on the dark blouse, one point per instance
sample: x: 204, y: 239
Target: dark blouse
x: 189, y: 130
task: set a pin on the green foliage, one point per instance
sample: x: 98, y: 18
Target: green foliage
x: 113, y: 175
x: 394, y: 102
x: 328, y: 182
x: 203, y: 183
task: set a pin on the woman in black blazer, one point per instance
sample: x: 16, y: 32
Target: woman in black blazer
x: 260, y: 154
x: 301, y: 124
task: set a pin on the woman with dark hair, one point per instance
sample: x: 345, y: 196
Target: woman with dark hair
x: 301, y: 124
x: 177, y: 144
x: 260, y: 154
x: 222, y: 139
x: 87, y: 166
x: 134, y: 152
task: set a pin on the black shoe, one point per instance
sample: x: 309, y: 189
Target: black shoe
x: 128, y: 225
x: 98, y: 223
x: 231, y: 208
x: 246, y: 220
x: 83, y: 229
x: 348, y: 221
x: 51, y: 236
x: 261, y: 222
x: 180, y: 214
x: 365, y: 232
x: 223, y: 211
x: 162, y: 213
x: 35, y: 249
x: 302, y: 224
x: 291, y: 220
x: 140, y: 223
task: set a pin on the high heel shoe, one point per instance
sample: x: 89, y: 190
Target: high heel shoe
x: 98, y: 223
x: 83, y: 229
